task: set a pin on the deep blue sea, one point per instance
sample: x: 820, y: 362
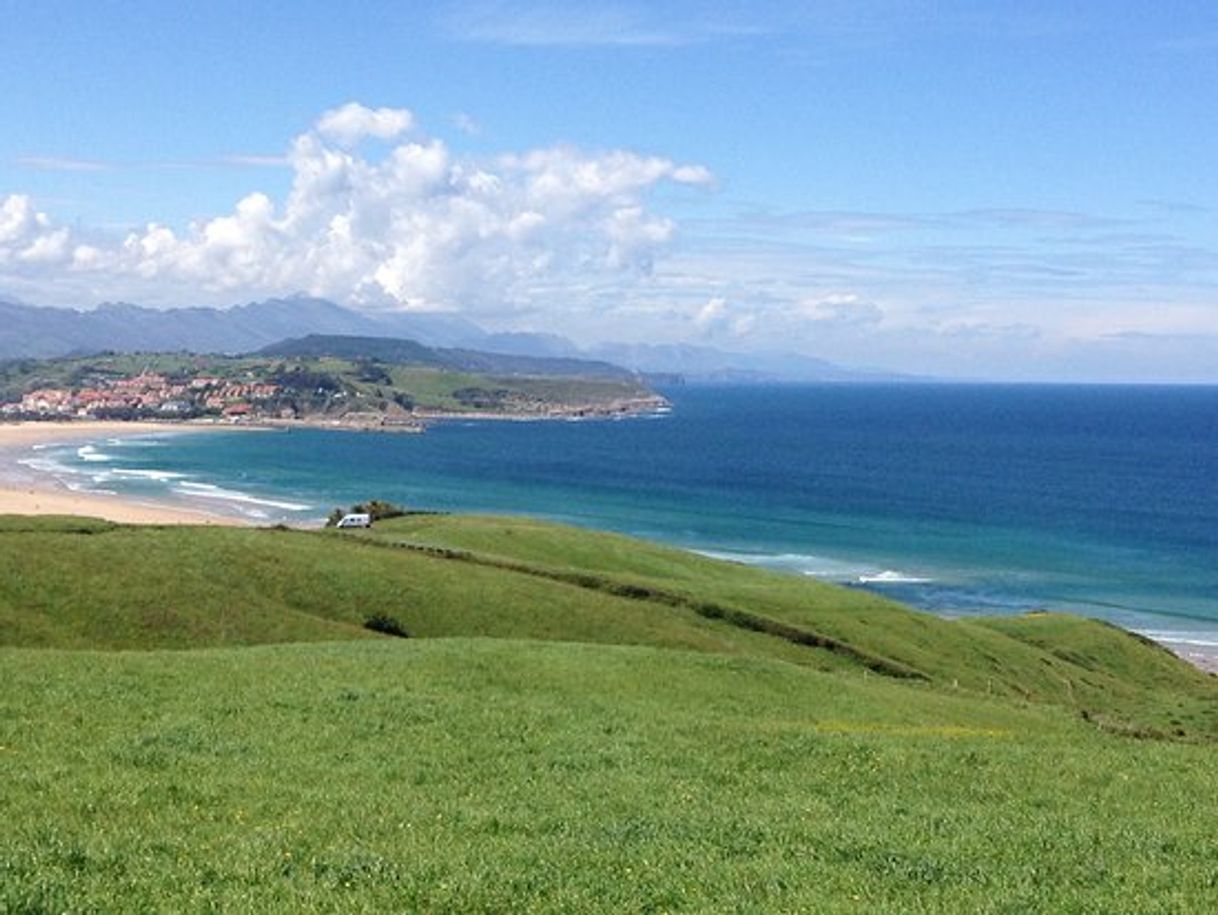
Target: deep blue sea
x: 959, y: 499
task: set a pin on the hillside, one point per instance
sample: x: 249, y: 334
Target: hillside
x: 356, y: 387
x: 578, y: 722
x: 445, y: 576
x: 466, y: 775
x: 411, y: 352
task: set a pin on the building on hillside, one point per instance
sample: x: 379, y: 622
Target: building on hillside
x: 237, y: 411
x: 48, y: 401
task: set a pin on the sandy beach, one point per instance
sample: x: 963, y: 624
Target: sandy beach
x: 45, y: 498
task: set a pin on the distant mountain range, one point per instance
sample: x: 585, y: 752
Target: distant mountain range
x: 707, y: 364
x: 28, y: 331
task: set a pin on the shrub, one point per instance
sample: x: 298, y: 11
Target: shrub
x: 375, y: 509
x: 378, y: 510
x: 372, y: 373
x: 386, y: 624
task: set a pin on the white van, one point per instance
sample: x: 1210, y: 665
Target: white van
x: 355, y: 520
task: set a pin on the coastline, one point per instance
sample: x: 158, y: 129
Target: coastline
x: 42, y: 495
x: 25, y: 492
x: 1203, y: 657
x: 616, y: 409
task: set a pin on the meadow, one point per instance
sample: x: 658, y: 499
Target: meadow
x: 198, y: 720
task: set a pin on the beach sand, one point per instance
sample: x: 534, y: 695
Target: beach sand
x: 111, y: 508
x: 45, y: 498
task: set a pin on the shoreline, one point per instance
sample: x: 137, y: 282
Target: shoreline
x: 42, y: 494
x: 1203, y: 660
x: 625, y: 408
x: 34, y: 493
x: 17, y: 434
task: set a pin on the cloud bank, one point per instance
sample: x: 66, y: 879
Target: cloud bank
x: 377, y: 214
x: 380, y: 216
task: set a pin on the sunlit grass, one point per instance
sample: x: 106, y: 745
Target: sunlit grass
x: 578, y: 722
x: 460, y: 775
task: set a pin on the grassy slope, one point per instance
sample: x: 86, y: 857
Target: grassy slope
x: 68, y: 585
x: 1123, y: 681
x: 433, y: 389
x: 476, y: 774
x: 116, y: 587
x: 487, y: 775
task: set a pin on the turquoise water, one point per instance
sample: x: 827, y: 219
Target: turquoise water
x: 959, y: 499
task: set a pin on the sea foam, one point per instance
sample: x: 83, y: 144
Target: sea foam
x: 211, y: 491
x: 1191, y: 639
x: 159, y: 476
x: 826, y: 568
x: 91, y: 455
x: 891, y: 577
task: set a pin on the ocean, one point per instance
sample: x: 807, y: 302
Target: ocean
x: 959, y: 499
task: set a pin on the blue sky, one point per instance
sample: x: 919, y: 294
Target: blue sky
x: 1013, y: 190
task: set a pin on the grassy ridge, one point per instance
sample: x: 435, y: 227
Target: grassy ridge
x: 1120, y: 680
x: 490, y: 775
x: 68, y: 583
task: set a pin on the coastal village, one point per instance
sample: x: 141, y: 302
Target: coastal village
x: 150, y: 394
x: 357, y: 393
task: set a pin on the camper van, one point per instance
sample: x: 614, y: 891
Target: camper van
x: 355, y: 520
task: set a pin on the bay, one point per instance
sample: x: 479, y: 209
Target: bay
x: 955, y: 498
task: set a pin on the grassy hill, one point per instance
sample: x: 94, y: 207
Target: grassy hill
x: 64, y: 584
x: 409, y: 352
x: 580, y: 722
x: 1083, y: 664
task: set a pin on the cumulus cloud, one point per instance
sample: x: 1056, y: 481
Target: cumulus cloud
x: 353, y: 122
x: 25, y: 233
x: 415, y: 227
x: 712, y: 313
x: 718, y: 317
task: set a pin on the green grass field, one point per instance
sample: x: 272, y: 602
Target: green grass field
x: 196, y: 719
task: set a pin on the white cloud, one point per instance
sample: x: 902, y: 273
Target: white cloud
x: 353, y: 122
x: 560, y: 238
x: 27, y: 235
x: 693, y: 174
x: 47, y: 248
x: 711, y: 314
x: 417, y: 228
x: 717, y: 317
x: 18, y: 218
